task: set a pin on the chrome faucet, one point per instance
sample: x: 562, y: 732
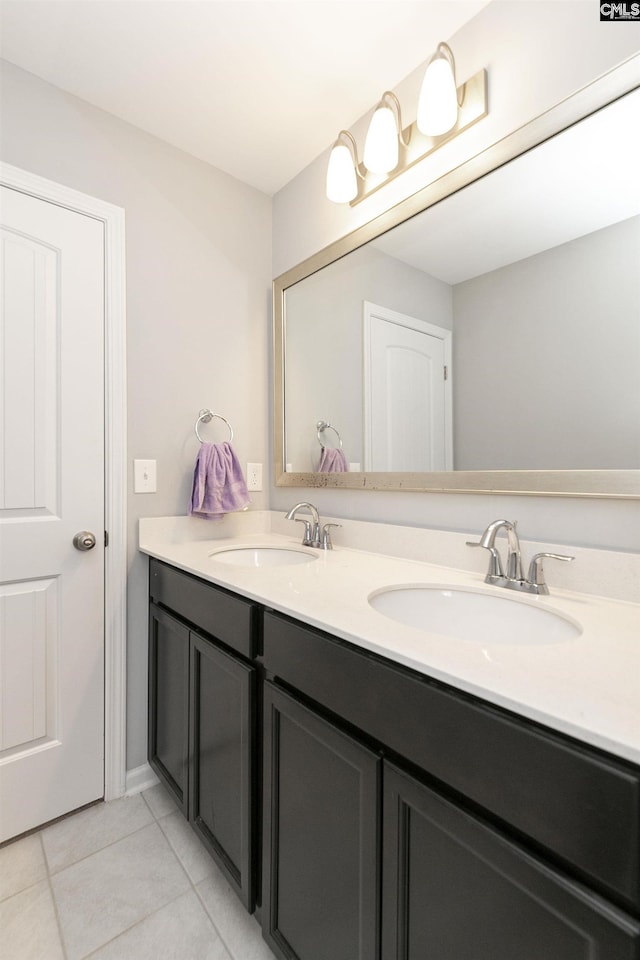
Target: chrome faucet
x: 513, y: 579
x: 313, y: 536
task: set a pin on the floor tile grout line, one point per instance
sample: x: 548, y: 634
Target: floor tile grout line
x: 152, y: 811
x: 147, y: 805
x: 192, y: 884
x: 53, y: 899
x: 50, y: 875
x: 63, y: 943
x: 46, y: 879
x: 229, y: 951
x: 29, y: 886
x: 214, y: 924
x: 14, y: 893
x: 87, y: 956
x: 177, y: 856
x: 152, y: 912
x: 194, y: 887
x: 44, y: 854
x: 112, y: 843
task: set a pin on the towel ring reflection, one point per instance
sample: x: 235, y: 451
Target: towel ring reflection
x: 322, y: 425
x: 205, y: 416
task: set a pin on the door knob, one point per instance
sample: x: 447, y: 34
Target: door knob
x: 85, y: 540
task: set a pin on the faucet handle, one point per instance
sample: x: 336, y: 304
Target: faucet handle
x: 536, y: 573
x: 308, y: 534
x: 326, y: 535
x: 495, y: 564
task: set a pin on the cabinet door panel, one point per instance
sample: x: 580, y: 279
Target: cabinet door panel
x: 320, y: 832
x: 222, y: 761
x: 455, y: 889
x: 168, y: 743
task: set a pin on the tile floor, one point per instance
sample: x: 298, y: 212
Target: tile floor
x: 127, y: 880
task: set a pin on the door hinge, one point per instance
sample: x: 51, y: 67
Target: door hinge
x: 446, y: 373
x: 106, y: 538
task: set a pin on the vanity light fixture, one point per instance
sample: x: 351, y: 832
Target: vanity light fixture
x: 444, y: 111
x: 343, y: 170
x: 438, y: 103
x: 381, y: 148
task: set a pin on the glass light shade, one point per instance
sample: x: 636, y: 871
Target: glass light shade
x: 342, y: 185
x: 381, y: 145
x: 438, y: 103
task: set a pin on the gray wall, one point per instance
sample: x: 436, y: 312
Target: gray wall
x: 324, y: 352
x: 198, y: 289
x: 506, y: 38
x: 546, y: 359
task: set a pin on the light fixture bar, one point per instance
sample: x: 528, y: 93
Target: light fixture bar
x: 415, y: 146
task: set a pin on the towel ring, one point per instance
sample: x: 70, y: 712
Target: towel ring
x: 205, y: 416
x: 322, y: 425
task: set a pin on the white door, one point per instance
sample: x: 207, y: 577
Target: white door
x: 51, y: 488
x: 407, y: 383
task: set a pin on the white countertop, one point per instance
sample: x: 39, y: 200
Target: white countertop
x: 587, y: 687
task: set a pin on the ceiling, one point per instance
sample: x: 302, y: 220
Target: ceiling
x: 258, y: 88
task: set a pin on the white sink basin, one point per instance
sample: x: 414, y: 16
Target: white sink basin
x: 476, y: 616
x: 262, y: 556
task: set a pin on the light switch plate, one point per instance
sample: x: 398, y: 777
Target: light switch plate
x: 144, y: 476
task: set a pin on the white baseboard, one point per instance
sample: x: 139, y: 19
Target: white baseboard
x: 139, y: 779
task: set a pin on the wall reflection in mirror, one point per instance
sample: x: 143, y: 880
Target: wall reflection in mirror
x: 497, y: 330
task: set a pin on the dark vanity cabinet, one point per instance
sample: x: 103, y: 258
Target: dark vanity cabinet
x: 499, y: 839
x: 378, y: 814
x: 202, y: 714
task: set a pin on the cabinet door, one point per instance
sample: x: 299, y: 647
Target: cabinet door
x: 168, y: 745
x: 455, y: 889
x: 320, y: 875
x: 222, y: 774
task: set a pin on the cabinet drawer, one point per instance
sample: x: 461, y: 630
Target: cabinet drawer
x: 580, y: 805
x: 225, y: 616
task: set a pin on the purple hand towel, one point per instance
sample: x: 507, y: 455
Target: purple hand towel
x: 218, y: 482
x: 333, y: 460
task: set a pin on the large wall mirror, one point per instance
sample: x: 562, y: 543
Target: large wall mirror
x: 485, y: 334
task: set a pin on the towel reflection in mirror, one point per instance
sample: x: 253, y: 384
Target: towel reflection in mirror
x: 333, y: 460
